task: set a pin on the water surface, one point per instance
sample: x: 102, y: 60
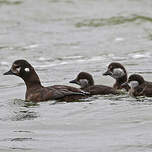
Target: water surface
x: 61, y: 39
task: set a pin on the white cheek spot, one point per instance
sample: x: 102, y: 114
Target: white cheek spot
x: 84, y: 82
x: 117, y: 73
x: 18, y: 69
x: 27, y: 70
x: 133, y: 84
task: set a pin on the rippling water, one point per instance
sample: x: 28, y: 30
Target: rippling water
x: 61, y: 38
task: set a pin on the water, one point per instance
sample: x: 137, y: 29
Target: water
x: 61, y: 38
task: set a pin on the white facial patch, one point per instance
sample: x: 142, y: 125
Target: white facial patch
x: 18, y: 69
x: 118, y: 73
x: 133, y: 84
x: 27, y: 70
x: 83, y: 83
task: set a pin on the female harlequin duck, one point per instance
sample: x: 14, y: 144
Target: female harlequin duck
x: 118, y: 72
x: 138, y: 86
x: 85, y: 80
x: 36, y: 92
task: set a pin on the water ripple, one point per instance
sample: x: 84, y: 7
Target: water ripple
x: 24, y: 115
x: 112, y: 21
x: 18, y: 139
x: 6, y: 2
x: 140, y: 55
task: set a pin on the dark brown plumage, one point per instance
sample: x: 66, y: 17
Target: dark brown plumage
x: 119, y: 73
x: 142, y: 87
x: 34, y: 89
x: 85, y: 80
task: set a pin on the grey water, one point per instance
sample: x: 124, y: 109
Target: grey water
x: 61, y: 38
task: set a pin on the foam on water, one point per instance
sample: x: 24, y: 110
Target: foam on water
x: 140, y: 55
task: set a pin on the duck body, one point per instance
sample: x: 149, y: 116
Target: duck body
x: 100, y: 90
x: 140, y: 86
x: 36, y: 92
x: 86, y: 82
x: 56, y: 92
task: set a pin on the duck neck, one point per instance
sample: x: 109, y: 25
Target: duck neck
x: 32, y: 80
x: 91, y: 81
x: 120, y: 81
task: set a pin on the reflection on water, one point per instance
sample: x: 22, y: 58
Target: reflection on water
x: 18, y: 139
x: 24, y: 110
x: 20, y: 148
x: 23, y: 103
x: 24, y: 115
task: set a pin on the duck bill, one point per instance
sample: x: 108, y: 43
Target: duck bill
x: 9, y: 73
x: 107, y: 73
x: 74, y: 81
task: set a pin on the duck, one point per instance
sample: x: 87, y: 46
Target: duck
x: 138, y: 86
x: 118, y: 72
x: 86, y: 83
x: 36, y: 92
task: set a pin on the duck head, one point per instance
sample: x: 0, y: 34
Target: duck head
x: 24, y: 70
x: 83, y: 79
x: 116, y: 70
